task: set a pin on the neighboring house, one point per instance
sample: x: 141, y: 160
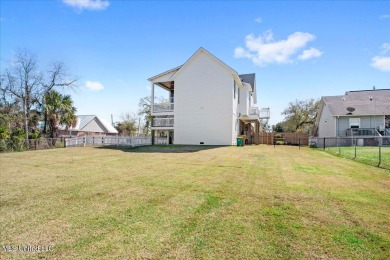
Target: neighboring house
x: 357, y: 113
x: 209, y: 103
x: 89, y: 125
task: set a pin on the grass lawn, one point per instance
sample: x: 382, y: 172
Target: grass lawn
x: 193, y: 202
x: 367, y: 154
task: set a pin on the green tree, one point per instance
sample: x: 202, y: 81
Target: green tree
x: 145, y: 110
x: 278, y: 127
x: 300, y: 116
x: 59, y: 110
x: 128, y: 125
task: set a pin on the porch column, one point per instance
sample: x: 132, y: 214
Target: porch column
x: 152, y: 133
x: 152, y: 98
x: 257, y: 132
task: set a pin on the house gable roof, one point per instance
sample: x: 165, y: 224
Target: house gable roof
x: 85, y: 120
x: 204, y: 51
x: 365, y: 103
x: 165, y: 73
x: 251, y: 79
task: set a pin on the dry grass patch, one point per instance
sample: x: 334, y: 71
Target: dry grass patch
x: 194, y: 202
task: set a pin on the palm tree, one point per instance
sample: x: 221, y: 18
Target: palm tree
x: 59, y: 110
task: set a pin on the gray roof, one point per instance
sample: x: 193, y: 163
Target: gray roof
x: 248, y: 78
x: 365, y: 103
x: 84, y: 120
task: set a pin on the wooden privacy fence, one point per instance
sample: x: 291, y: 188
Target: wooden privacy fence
x: 286, y: 138
x: 107, y: 140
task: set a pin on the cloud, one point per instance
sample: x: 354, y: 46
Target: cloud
x: 381, y: 63
x: 310, y: 53
x: 385, y: 48
x: 94, y: 85
x: 92, y: 5
x: 258, y: 20
x: 264, y: 49
x: 385, y: 16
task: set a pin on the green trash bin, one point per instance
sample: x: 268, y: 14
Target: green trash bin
x: 240, y: 141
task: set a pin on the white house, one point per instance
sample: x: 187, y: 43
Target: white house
x: 209, y: 103
x: 357, y: 113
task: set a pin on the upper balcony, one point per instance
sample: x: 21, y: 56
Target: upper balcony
x: 255, y: 113
x: 164, y: 108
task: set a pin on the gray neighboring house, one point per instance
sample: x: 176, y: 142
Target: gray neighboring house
x: 357, y: 113
x: 89, y: 125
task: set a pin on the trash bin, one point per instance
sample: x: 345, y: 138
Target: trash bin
x: 240, y: 141
x: 243, y: 139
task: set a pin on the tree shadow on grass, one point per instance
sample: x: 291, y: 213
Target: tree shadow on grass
x: 162, y: 148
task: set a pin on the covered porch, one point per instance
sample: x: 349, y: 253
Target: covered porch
x: 250, y: 128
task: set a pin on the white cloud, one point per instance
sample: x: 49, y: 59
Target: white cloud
x: 94, y: 85
x: 310, y: 53
x: 264, y: 49
x: 381, y: 63
x: 258, y: 20
x: 385, y: 47
x: 385, y: 16
x: 87, y: 4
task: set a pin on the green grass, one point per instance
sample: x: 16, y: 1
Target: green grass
x: 367, y: 154
x: 190, y: 202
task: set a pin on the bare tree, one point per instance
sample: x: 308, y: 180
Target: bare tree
x: 24, y: 83
x: 128, y: 125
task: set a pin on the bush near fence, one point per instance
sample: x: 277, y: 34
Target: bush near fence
x: 18, y: 144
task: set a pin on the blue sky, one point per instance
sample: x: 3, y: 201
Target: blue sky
x: 298, y: 49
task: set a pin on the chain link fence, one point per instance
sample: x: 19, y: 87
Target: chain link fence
x: 373, y: 151
x: 19, y: 144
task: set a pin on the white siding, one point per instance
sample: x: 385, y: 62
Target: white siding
x: 235, y: 123
x: 203, y: 103
x: 327, y: 123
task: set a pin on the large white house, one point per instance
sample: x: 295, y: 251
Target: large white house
x: 209, y: 104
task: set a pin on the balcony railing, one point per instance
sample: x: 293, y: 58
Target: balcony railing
x: 254, y: 111
x: 361, y: 132
x: 387, y: 131
x: 163, y: 122
x: 163, y: 107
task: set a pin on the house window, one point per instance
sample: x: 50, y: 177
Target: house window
x: 234, y: 88
x: 354, y: 123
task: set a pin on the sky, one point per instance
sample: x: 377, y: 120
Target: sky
x: 298, y: 49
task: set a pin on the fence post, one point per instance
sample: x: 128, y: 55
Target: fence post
x: 380, y: 154
x: 65, y: 142
x: 93, y: 140
x: 324, y: 143
x: 299, y: 143
x: 355, y: 148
